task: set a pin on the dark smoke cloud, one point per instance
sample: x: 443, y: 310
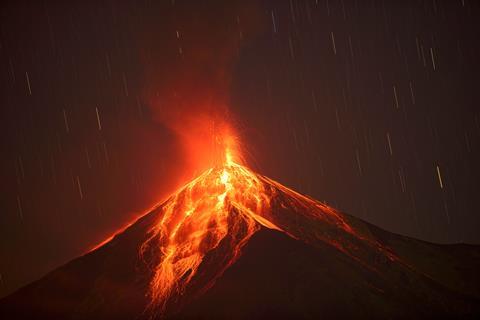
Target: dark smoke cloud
x: 188, y: 73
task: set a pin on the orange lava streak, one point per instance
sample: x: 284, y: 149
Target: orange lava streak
x: 223, y: 208
x: 197, y: 218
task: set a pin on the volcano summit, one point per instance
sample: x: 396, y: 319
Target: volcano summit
x: 235, y: 244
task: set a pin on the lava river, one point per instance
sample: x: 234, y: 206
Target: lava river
x: 224, y: 207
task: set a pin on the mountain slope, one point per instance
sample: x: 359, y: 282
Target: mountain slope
x: 282, y: 278
x: 234, y: 244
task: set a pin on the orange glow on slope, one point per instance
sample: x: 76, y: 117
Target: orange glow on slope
x: 197, y: 218
x: 219, y: 211
x: 228, y: 203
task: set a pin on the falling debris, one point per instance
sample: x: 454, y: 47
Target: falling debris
x: 433, y: 58
x: 357, y: 156
x: 79, y: 188
x: 20, y: 210
x: 125, y: 87
x: 98, y: 119
x: 65, y: 121
x: 411, y: 92
x: 273, y: 23
x: 89, y: 164
x: 333, y: 43
x: 28, y: 84
x: 395, y: 96
x: 389, y: 144
x: 439, y: 175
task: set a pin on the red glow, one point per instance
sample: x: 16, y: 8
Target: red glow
x: 229, y: 203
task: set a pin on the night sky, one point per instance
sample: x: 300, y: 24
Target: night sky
x: 370, y: 106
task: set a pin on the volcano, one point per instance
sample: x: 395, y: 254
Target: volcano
x: 235, y: 244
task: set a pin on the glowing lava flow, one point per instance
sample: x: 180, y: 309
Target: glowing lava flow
x: 197, y: 218
x: 217, y: 213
